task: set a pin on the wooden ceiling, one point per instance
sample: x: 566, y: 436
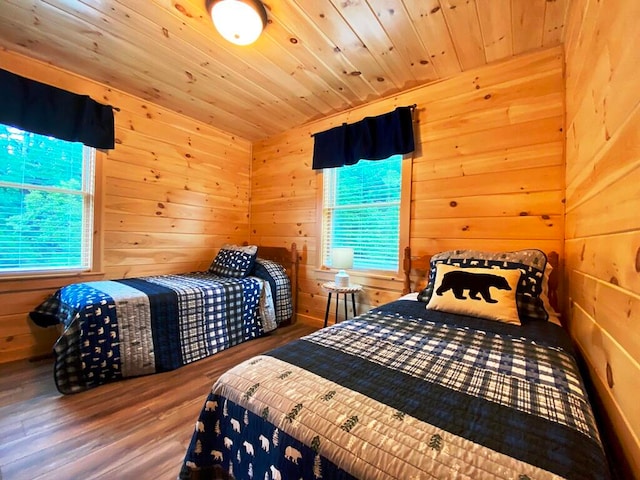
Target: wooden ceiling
x: 315, y: 58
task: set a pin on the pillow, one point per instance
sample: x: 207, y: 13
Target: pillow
x: 234, y: 261
x: 531, y: 263
x: 276, y: 275
x: 478, y: 292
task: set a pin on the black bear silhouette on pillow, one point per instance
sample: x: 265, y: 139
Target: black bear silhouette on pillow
x: 476, y: 283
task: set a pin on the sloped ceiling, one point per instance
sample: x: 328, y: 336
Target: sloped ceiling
x: 315, y: 58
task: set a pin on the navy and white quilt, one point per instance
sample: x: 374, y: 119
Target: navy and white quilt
x: 124, y: 328
x: 402, y: 392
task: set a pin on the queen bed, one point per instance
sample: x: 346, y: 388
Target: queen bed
x: 123, y: 328
x: 472, y: 377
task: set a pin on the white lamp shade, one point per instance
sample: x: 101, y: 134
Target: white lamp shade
x: 237, y: 21
x: 342, y: 257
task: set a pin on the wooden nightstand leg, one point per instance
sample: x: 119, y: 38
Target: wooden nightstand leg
x: 345, y: 306
x: 353, y: 301
x: 326, y: 313
x: 337, y: 305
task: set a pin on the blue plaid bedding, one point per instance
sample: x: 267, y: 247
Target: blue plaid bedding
x: 279, y: 283
x: 123, y: 328
x: 400, y: 392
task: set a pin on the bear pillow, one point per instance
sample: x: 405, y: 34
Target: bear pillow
x: 531, y: 263
x: 479, y: 292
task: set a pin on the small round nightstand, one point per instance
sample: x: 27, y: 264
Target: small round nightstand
x: 331, y: 287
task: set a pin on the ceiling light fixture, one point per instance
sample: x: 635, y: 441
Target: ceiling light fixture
x: 238, y: 21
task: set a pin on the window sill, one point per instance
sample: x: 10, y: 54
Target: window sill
x: 35, y: 281
x: 329, y: 273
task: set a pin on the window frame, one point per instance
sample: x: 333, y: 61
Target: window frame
x: 96, y: 262
x: 405, y: 221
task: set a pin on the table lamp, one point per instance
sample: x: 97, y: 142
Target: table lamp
x: 341, y: 258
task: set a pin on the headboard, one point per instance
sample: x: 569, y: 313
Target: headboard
x: 421, y: 263
x: 289, y: 259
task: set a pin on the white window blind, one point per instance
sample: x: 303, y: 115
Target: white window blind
x: 361, y: 209
x: 46, y: 203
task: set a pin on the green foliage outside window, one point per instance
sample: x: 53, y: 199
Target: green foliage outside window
x: 42, y: 202
x: 362, y: 211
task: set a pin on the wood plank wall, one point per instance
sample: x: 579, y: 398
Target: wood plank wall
x: 488, y: 172
x: 603, y: 200
x: 174, y: 190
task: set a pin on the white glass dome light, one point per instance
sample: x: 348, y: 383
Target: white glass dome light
x: 238, y: 21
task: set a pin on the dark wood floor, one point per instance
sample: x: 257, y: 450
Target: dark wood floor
x: 134, y: 429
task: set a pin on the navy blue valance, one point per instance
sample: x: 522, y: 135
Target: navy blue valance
x: 41, y: 108
x: 372, y: 138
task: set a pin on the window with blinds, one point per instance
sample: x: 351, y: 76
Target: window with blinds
x: 46, y: 203
x: 361, y: 210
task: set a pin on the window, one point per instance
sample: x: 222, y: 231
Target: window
x: 46, y: 203
x: 362, y: 209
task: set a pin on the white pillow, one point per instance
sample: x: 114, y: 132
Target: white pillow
x: 480, y: 292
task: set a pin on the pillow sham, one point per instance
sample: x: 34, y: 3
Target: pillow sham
x: 530, y: 262
x: 234, y: 261
x: 479, y: 292
x: 276, y: 275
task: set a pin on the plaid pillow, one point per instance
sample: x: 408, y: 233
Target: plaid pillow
x: 234, y: 261
x: 531, y: 262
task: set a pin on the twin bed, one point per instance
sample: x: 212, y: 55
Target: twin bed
x: 470, y: 377
x: 116, y: 329
x: 473, y: 377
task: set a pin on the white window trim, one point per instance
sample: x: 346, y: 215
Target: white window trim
x: 95, y: 268
x: 405, y: 222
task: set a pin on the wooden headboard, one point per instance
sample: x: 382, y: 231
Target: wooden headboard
x: 410, y: 263
x: 289, y: 259
x: 421, y: 263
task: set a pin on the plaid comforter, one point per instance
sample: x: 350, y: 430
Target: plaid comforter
x: 124, y: 328
x: 391, y: 394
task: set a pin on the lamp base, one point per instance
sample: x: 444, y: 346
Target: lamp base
x: 342, y: 279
